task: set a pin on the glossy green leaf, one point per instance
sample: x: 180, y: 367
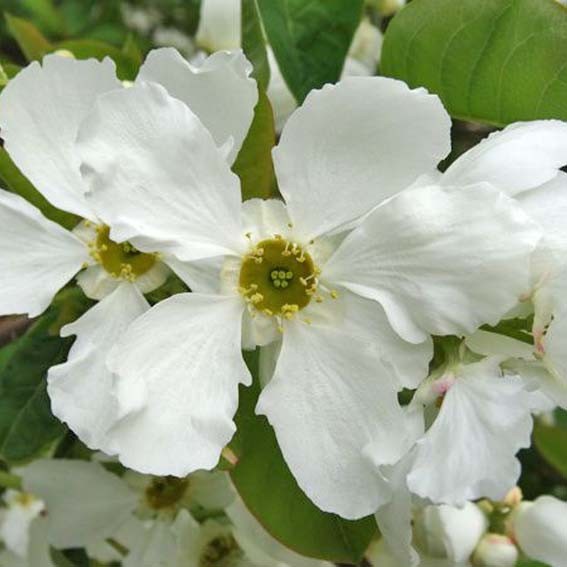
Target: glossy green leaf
x: 27, y: 427
x: 254, y: 163
x: 551, y: 442
x: 126, y: 66
x: 13, y: 180
x: 492, y: 61
x: 3, y: 77
x: 30, y: 40
x: 269, y: 490
x: 254, y: 43
x: 310, y: 39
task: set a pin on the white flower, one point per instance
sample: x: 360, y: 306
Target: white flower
x: 496, y: 550
x: 425, y: 260
x: 523, y: 160
x: 22, y: 509
x: 469, y: 450
x: 40, y: 113
x: 219, y: 28
x: 540, y: 528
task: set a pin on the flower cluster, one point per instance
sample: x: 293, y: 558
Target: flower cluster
x: 375, y: 278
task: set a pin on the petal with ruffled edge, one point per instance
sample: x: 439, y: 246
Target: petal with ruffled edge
x: 157, y: 178
x: 40, y: 113
x: 178, y: 368
x: 540, y: 528
x: 219, y: 91
x: 518, y: 158
x: 37, y: 257
x: 327, y: 400
x: 334, y: 165
x: 85, y: 502
x: 469, y: 451
x: 440, y: 260
x: 81, y: 388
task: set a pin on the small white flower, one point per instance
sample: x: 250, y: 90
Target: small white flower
x: 22, y: 509
x: 540, y: 528
x: 356, y: 311
x: 41, y: 110
x: 469, y: 450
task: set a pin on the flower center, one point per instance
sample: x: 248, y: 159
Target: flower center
x: 119, y: 260
x: 278, y: 277
x: 223, y: 551
x: 165, y: 492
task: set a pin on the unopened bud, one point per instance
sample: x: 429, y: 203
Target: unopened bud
x: 495, y: 550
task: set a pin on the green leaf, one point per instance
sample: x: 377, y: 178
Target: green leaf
x: 551, y: 442
x: 27, y: 427
x: 254, y: 43
x: 492, y: 61
x: 30, y: 40
x: 530, y: 563
x: 126, y: 66
x: 254, y: 163
x: 132, y: 51
x: 45, y: 14
x: 270, y: 492
x: 12, y: 179
x: 310, y: 39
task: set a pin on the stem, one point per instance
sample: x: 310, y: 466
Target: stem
x: 8, y: 480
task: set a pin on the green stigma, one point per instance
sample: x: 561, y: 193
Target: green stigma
x: 223, y: 551
x: 278, y: 277
x: 165, y: 492
x: 120, y: 260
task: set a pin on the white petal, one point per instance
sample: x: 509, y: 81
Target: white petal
x: 469, y: 451
x: 157, y: 548
x: 493, y: 344
x: 366, y: 320
x: 81, y: 388
x: 556, y: 360
x: 157, y: 178
x: 260, y: 546
x: 40, y: 113
x: 85, y: 502
x: 219, y: 91
x: 202, y: 276
x: 547, y: 205
x: 334, y: 165
x: 518, y: 158
x: 178, y: 368
x: 439, y: 260
x: 219, y: 25
x: 322, y: 376
x: 541, y: 530
x: 96, y: 282
x: 394, y: 519
x: 37, y: 257
x: 264, y: 218
x: 15, y: 528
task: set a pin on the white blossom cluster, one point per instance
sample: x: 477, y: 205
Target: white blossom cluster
x: 372, y: 261
x: 139, y: 520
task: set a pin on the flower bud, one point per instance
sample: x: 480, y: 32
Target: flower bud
x: 448, y: 532
x: 540, y: 528
x: 495, y: 550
